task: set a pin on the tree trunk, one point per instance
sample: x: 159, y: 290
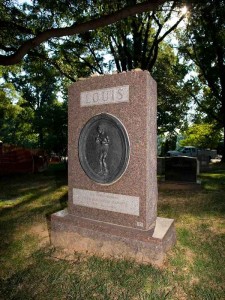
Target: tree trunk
x: 223, y: 149
x: 41, y: 138
x: 223, y: 115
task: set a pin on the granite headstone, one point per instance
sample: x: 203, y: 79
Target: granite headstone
x: 160, y: 165
x: 112, y: 166
x: 181, y: 169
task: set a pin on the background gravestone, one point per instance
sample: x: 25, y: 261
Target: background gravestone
x: 181, y: 169
x: 160, y: 165
x: 203, y: 163
x: 112, y: 207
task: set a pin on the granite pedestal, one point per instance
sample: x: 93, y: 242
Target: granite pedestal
x: 109, y: 240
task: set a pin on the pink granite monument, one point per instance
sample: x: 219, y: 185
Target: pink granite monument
x: 112, y: 206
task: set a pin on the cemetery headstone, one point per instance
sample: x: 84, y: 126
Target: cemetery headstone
x: 160, y: 165
x: 181, y: 169
x: 203, y: 163
x: 112, y: 166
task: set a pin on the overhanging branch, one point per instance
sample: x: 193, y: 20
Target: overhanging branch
x: 78, y: 28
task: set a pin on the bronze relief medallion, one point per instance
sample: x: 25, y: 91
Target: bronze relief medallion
x: 104, y: 148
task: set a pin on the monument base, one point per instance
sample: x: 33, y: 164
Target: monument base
x: 75, y: 234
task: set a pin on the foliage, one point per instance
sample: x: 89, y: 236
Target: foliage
x: 35, y: 118
x: 14, y: 128
x: 202, y: 136
x: 203, y: 43
x: 24, y: 27
x: 137, y: 41
x: 140, y: 42
x: 173, y: 97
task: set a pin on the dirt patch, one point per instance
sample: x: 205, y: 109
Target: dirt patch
x: 41, y: 231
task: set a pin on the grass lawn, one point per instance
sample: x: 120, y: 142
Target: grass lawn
x: 30, y: 269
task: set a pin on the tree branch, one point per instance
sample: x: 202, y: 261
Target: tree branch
x: 210, y: 82
x: 100, y: 71
x: 53, y: 63
x: 209, y: 111
x: 78, y: 28
x: 171, y: 28
x: 13, y: 25
x: 145, y: 42
x: 155, y: 45
x: 115, y: 56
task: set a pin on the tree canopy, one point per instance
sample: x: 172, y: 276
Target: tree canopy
x: 24, y: 27
x: 134, y: 42
x: 202, y: 135
x: 52, y: 43
x: 203, y: 43
x: 32, y: 116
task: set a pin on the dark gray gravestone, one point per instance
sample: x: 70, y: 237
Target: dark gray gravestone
x: 160, y: 165
x: 181, y: 168
x: 203, y: 163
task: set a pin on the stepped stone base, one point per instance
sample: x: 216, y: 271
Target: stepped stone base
x: 75, y: 234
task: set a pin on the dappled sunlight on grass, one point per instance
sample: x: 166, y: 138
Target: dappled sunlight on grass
x: 197, y: 260
x: 31, y: 268
x: 22, y: 205
x: 215, y: 180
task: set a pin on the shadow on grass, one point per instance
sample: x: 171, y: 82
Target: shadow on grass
x: 19, y: 184
x: 101, y: 279
x: 198, y: 204
x: 213, y: 183
x: 84, y: 278
x: 32, y: 272
x: 37, y: 197
x: 210, y: 199
x: 206, y: 263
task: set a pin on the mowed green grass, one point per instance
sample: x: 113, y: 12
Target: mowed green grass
x: 30, y: 267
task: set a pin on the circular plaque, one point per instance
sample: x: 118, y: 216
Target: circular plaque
x: 104, y: 148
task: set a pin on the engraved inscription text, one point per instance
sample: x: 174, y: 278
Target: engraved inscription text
x: 105, y: 96
x: 107, y: 201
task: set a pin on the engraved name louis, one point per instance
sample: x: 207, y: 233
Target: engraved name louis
x: 105, y: 96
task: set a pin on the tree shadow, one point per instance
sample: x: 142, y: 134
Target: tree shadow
x: 63, y: 204
x: 175, y: 204
x: 36, y: 202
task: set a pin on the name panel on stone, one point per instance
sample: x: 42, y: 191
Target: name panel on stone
x: 105, y: 96
x: 107, y: 201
